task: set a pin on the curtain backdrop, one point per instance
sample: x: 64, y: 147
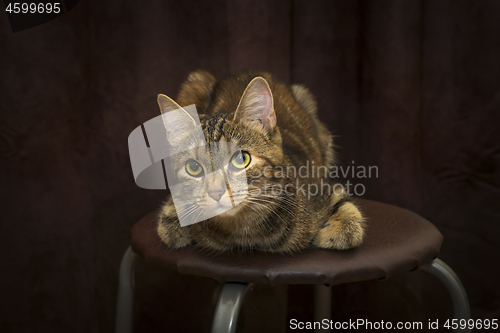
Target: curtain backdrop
x: 412, y: 87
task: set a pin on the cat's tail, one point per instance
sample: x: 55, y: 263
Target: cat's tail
x: 305, y: 99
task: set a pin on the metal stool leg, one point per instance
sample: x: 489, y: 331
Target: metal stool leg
x: 126, y: 286
x: 228, y: 307
x: 445, y: 274
x: 322, y: 305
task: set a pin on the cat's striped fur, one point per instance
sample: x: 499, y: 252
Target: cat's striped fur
x: 268, y: 222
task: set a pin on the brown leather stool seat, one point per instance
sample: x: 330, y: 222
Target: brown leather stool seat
x: 397, y: 241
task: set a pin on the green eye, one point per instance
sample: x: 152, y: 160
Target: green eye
x: 194, y: 168
x: 241, y: 160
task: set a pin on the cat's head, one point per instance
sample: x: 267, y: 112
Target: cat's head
x: 225, y: 164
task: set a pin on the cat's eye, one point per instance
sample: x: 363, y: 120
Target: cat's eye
x: 240, y: 160
x: 194, y: 168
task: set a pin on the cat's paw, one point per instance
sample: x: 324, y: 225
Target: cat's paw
x: 173, y: 235
x: 343, y: 230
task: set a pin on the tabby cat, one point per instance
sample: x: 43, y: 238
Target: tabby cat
x: 276, y: 127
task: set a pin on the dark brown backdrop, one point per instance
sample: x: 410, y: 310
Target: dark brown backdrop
x: 412, y: 87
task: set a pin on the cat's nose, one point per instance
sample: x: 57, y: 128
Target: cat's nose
x: 216, y: 194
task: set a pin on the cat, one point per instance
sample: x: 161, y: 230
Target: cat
x: 275, y: 126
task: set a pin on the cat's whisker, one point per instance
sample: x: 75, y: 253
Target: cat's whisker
x: 268, y: 208
x: 184, y: 203
x: 201, y: 211
x: 272, y: 202
x: 180, y: 211
x: 288, y: 201
x: 258, y: 210
x: 187, y: 213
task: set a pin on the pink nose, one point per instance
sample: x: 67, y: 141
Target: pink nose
x: 216, y: 194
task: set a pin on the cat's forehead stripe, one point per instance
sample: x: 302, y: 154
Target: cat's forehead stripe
x: 213, y: 128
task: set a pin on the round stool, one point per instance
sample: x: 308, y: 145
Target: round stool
x: 397, y: 241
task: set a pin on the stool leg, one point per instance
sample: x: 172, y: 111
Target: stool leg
x: 447, y: 276
x: 228, y: 307
x: 322, y: 305
x: 126, y: 286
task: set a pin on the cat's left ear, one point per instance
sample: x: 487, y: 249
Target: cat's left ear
x: 178, y: 122
x: 256, y: 107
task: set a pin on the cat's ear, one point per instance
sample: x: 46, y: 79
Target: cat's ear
x: 178, y: 122
x: 256, y: 107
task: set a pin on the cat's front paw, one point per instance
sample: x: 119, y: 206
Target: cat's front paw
x: 172, y: 234
x: 343, y: 230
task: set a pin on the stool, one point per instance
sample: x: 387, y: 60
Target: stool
x: 397, y: 241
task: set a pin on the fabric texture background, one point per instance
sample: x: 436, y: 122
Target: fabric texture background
x: 412, y: 87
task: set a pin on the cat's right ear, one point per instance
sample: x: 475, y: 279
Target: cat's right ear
x: 178, y: 122
x: 256, y: 107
